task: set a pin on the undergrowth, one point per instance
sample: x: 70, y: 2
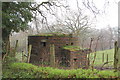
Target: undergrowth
x: 26, y: 70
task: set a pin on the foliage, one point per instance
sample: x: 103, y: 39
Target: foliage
x: 41, y: 63
x: 106, y: 74
x: 15, y: 16
x: 8, y: 60
x: 25, y: 70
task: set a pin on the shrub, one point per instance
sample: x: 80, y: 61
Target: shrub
x: 26, y: 70
x: 107, y: 74
x: 8, y: 60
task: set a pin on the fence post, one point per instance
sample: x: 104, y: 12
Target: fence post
x: 118, y: 60
x: 22, y: 56
x: 115, y: 55
x: 52, y: 55
x: 103, y: 57
x: 16, y: 46
x: 107, y: 58
x: 88, y: 60
x: 29, y: 53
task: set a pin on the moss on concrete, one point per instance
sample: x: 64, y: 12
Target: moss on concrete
x: 52, y: 34
x: 73, y: 48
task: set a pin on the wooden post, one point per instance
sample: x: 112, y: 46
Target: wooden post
x: 42, y: 62
x: 118, y: 58
x: 57, y: 64
x: 16, y: 46
x: 115, y: 55
x: 75, y: 64
x: 22, y: 56
x: 52, y: 55
x: 103, y: 57
x: 29, y: 53
x: 107, y: 58
x: 88, y: 60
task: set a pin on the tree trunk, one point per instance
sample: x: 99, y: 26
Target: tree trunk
x: 16, y: 46
x: 118, y: 65
x: 115, y: 55
x: 5, y: 43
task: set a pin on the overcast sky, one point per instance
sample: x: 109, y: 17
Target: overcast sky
x: 111, y: 16
x: 111, y: 12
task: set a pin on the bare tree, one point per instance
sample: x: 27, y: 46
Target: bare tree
x: 49, y: 8
x: 71, y: 22
x: 111, y: 37
x: 43, y: 10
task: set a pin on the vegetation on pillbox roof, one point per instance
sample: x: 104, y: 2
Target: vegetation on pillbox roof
x: 51, y: 34
x: 73, y: 48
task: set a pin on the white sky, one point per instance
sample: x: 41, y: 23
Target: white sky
x: 109, y: 18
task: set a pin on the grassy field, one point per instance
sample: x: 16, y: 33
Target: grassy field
x: 99, y: 54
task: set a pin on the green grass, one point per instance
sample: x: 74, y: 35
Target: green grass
x: 26, y: 70
x: 98, y: 60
